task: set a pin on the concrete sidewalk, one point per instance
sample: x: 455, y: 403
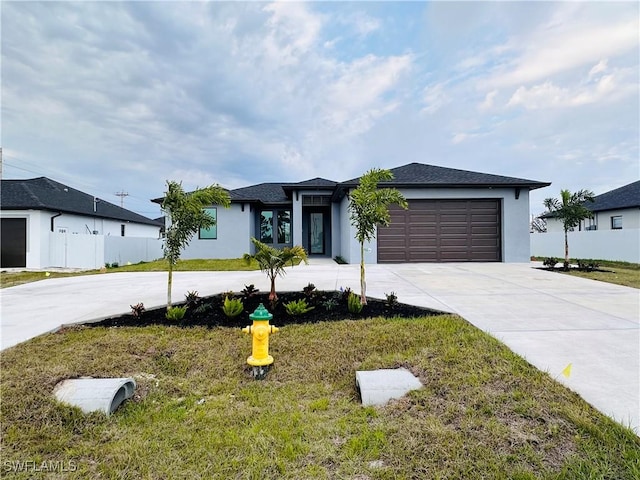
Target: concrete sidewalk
x: 548, y: 318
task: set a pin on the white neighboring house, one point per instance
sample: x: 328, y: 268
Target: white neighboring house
x: 48, y: 224
x: 612, y: 234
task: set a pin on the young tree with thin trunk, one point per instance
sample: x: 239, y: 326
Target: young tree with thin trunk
x: 272, y: 261
x: 186, y: 216
x: 369, y: 207
x: 570, y: 209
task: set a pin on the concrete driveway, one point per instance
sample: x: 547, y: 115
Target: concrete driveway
x: 550, y: 319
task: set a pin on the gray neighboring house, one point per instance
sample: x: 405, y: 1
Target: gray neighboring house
x: 38, y: 214
x: 617, y: 209
x: 453, y: 216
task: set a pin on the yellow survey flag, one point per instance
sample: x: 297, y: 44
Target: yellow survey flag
x: 567, y: 371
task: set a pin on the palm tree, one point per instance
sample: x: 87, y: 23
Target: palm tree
x: 186, y: 216
x: 369, y: 207
x: 570, y: 209
x: 272, y: 261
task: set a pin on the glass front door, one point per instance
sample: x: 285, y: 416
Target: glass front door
x: 316, y: 232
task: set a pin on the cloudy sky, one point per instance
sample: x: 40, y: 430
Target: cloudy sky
x: 121, y: 96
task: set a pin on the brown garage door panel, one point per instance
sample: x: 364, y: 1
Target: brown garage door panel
x: 442, y: 231
x: 414, y: 242
x: 453, y: 230
x: 419, y: 230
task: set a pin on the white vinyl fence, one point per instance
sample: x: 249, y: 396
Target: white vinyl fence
x: 621, y: 245
x: 93, y: 251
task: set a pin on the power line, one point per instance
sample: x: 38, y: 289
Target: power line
x: 121, y: 194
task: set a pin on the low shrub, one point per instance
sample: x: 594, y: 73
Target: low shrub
x: 329, y: 304
x: 191, y: 297
x: 392, y: 299
x: 587, y: 265
x: 550, y: 262
x: 137, y: 310
x: 353, y: 303
x: 345, y: 293
x: 232, y: 307
x: 310, y: 291
x: 176, y: 313
x: 298, y: 307
x: 249, y: 291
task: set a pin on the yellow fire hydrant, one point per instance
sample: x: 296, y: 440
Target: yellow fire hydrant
x: 260, y: 331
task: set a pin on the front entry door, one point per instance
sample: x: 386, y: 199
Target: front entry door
x: 316, y: 233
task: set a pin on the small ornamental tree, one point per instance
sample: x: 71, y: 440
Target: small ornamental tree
x: 186, y: 216
x: 369, y: 207
x: 570, y: 209
x: 272, y: 261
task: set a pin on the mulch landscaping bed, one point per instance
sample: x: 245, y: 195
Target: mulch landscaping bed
x: 328, y: 306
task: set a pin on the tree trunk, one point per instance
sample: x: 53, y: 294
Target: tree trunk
x: 169, y: 284
x: 273, y: 296
x: 363, y: 284
x: 566, y: 250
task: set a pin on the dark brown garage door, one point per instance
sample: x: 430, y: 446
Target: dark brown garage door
x: 13, y: 241
x: 442, y: 231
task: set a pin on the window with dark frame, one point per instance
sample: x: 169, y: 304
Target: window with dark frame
x: 616, y: 222
x: 210, y: 233
x: 278, y: 221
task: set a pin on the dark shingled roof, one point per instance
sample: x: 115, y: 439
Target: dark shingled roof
x: 278, y: 193
x: 413, y: 175
x: 627, y: 196
x: 320, y: 183
x: 419, y: 175
x: 45, y: 194
x: 263, y: 192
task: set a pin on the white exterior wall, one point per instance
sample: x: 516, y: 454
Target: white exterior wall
x: 81, y: 225
x: 630, y: 220
x: 515, y: 221
x: 336, y: 239
x: 235, y: 229
x: 623, y: 245
x: 52, y: 249
x: 296, y: 218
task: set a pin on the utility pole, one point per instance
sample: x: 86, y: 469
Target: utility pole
x: 121, y: 194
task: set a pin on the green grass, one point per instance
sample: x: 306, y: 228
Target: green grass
x: 619, y: 273
x: 10, y: 279
x: 483, y: 413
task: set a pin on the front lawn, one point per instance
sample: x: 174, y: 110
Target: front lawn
x: 619, y: 273
x: 11, y: 279
x: 483, y: 413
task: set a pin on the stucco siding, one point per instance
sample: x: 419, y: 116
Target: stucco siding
x: 602, y: 220
x: 234, y: 231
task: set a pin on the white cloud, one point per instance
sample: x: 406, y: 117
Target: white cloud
x: 363, y: 23
x: 489, y: 98
x: 434, y: 97
x: 294, y: 31
x: 356, y: 96
x: 599, y: 67
x: 610, y: 87
x: 550, y: 52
